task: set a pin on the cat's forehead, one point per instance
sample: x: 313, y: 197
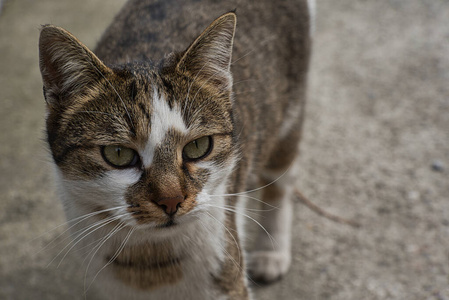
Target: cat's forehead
x: 138, y: 108
x: 164, y: 94
x: 141, y: 103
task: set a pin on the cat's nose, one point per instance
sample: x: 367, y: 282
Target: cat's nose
x: 170, y: 204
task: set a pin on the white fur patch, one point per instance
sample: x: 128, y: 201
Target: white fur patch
x: 123, y: 178
x: 163, y: 118
x: 107, y: 191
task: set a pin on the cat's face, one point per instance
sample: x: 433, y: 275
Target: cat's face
x: 150, y: 146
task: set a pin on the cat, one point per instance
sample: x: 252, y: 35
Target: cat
x: 155, y: 153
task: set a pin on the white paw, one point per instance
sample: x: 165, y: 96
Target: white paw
x: 268, y: 266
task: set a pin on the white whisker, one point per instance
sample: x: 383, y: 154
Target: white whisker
x: 237, y: 264
x: 246, y: 196
x: 226, y: 228
x: 273, y: 241
x: 83, y: 217
x: 259, y: 188
x: 80, y: 236
x: 116, y: 229
x: 116, y: 254
x: 251, y: 210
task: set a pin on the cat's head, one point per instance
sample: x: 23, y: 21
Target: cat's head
x: 147, y: 144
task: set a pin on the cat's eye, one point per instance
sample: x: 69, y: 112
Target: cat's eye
x: 119, y: 156
x: 198, y: 148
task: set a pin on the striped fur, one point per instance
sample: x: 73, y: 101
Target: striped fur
x: 245, y: 93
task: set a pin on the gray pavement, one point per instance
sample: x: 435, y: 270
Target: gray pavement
x: 375, y: 149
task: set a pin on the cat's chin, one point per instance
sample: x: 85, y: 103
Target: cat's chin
x: 168, y: 224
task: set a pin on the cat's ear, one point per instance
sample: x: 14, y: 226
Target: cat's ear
x: 209, y: 56
x: 69, y: 69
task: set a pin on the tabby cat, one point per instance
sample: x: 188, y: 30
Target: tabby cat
x: 154, y: 157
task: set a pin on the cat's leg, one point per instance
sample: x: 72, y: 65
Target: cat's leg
x: 271, y: 256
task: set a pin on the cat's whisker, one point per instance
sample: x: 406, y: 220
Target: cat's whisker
x: 248, y: 197
x: 256, y: 189
x: 272, y: 240
x: 99, y: 242
x: 250, y: 210
x: 116, y: 229
x: 87, y: 246
x: 120, y: 249
x: 266, y: 185
x: 237, y: 264
x: 226, y: 228
x: 72, y: 240
x: 78, y: 219
x: 81, y: 235
x: 82, y: 229
x: 83, y: 217
x: 116, y: 254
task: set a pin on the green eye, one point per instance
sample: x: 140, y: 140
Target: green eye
x: 198, y: 148
x: 119, y: 156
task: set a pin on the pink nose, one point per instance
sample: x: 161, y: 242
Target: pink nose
x: 170, y: 204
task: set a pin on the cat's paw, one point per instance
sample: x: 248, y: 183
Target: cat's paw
x: 268, y: 266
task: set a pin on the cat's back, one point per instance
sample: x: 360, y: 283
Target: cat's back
x: 149, y: 29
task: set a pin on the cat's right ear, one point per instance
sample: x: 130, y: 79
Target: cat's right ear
x: 209, y: 56
x: 69, y: 69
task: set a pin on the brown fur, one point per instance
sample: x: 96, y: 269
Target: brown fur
x: 148, y: 266
x: 106, y: 100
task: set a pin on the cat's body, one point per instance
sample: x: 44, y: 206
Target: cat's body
x: 161, y: 149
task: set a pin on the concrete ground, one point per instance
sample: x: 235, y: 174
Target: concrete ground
x: 376, y: 149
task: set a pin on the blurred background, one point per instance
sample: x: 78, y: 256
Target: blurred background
x: 375, y: 149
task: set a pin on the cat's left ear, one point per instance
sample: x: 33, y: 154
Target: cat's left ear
x: 209, y: 56
x: 69, y: 69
